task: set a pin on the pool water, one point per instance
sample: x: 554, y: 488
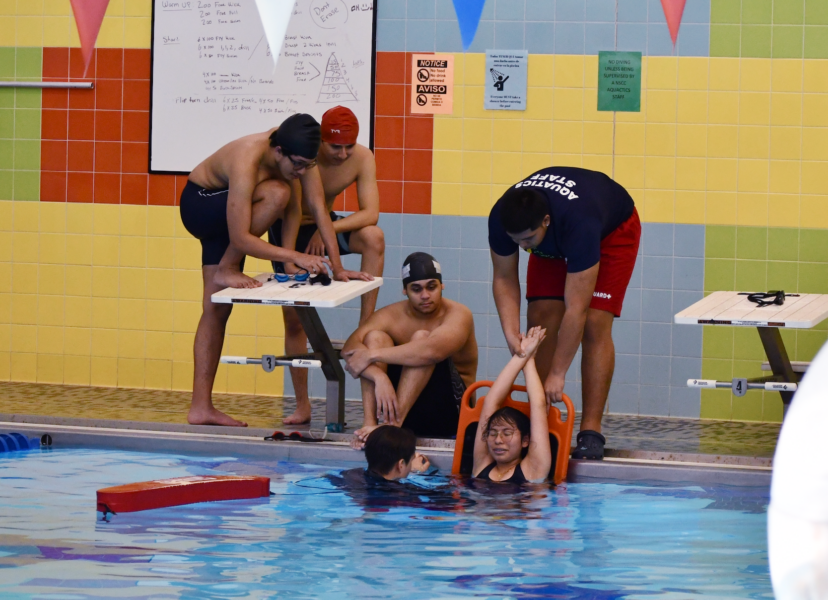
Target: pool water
x: 328, y: 534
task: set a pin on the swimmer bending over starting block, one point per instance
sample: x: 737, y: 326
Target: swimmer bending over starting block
x: 229, y: 202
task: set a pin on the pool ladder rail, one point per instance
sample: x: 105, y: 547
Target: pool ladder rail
x: 740, y: 385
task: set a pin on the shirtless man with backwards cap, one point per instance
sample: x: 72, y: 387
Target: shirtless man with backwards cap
x: 230, y: 200
x: 415, y: 358
x: 342, y: 162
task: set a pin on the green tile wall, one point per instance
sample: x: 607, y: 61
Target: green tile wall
x: 758, y: 259
x: 769, y: 28
x: 20, y: 125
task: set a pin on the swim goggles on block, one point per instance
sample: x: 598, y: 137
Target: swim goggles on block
x: 767, y: 299
x: 284, y: 277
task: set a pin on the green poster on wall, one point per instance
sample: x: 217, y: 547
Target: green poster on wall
x: 619, y: 81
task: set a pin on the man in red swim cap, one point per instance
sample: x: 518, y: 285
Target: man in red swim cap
x: 341, y: 163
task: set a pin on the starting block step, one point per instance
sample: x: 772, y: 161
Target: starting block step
x: 741, y: 386
x: 798, y: 366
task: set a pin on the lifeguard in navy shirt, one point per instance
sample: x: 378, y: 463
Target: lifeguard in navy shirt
x: 582, y: 232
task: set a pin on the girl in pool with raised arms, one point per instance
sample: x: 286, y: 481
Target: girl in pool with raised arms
x: 513, y: 448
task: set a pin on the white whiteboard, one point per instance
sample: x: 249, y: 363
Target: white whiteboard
x: 213, y: 79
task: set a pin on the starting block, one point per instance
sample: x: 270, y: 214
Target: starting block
x: 735, y: 309
x: 305, y: 298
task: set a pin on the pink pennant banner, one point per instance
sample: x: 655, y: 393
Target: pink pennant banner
x: 673, y: 10
x: 89, y: 16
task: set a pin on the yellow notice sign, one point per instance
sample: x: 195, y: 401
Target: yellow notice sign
x: 432, y: 84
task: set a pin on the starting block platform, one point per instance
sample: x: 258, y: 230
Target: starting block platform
x: 292, y: 293
x: 799, y: 311
x: 305, y: 298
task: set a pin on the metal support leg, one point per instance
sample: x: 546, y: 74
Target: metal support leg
x: 778, y: 360
x: 334, y: 374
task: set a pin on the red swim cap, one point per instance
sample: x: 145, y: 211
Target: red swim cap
x: 340, y: 126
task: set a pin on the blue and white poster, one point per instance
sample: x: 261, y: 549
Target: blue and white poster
x: 506, y: 79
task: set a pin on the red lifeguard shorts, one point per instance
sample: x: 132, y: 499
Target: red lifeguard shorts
x: 546, y: 277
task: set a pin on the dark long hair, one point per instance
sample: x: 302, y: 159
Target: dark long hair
x: 510, y: 416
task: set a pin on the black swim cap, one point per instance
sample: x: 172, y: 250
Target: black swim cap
x: 419, y: 266
x: 298, y: 135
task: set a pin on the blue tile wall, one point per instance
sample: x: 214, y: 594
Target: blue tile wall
x: 631, y: 11
x: 545, y: 27
x: 509, y: 35
x: 391, y: 9
x: 422, y: 9
x: 510, y: 10
x: 696, y: 12
x: 632, y: 37
x: 449, y: 35
x: 598, y: 37
x: 540, y: 10
x: 654, y: 357
x: 601, y: 10
x: 391, y: 35
x: 540, y: 37
x: 445, y: 10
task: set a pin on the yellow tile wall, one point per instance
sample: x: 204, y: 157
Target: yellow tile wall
x: 718, y: 140
x: 111, y: 295
x: 126, y: 24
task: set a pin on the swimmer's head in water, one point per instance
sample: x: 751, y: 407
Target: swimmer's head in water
x: 298, y: 137
x: 389, y: 451
x: 524, y: 214
x: 507, y: 434
x: 422, y: 280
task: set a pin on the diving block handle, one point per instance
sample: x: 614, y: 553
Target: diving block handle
x: 778, y: 386
x: 270, y: 362
x: 691, y: 383
x: 741, y: 386
x: 239, y: 360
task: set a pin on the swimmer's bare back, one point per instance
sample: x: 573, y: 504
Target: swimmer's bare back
x: 215, y: 172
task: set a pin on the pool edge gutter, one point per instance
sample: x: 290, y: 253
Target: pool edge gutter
x: 580, y: 471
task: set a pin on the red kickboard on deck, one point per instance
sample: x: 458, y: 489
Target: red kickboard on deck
x: 147, y: 495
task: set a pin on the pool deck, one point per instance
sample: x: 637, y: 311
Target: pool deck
x: 668, y: 449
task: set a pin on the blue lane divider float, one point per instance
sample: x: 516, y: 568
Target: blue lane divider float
x: 15, y: 442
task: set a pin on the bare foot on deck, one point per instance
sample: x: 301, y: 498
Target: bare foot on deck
x: 213, y: 417
x: 300, y: 416
x: 360, y: 435
x: 235, y: 279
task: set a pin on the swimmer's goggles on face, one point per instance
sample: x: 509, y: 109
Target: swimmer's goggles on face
x: 284, y: 277
x: 299, y: 165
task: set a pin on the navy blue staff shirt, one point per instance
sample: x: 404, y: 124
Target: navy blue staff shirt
x: 584, y: 206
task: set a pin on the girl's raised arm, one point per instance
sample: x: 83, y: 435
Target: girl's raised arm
x: 538, y: 460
